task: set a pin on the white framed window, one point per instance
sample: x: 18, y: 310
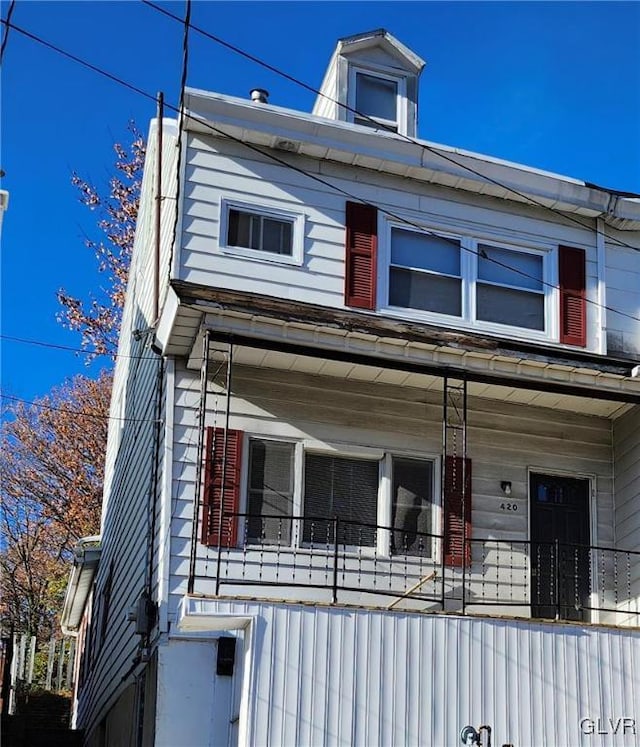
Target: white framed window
x: 387, y: 502
x: 470, y: 282
x: 261, y: 232
x: 377, y: 96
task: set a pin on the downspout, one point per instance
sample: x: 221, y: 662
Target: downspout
x: 156, y: 258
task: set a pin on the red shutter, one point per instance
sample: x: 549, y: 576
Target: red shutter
x: 216, y: 499
x: 453, y: 498
x: 573, y: 305
x: 361, y: 256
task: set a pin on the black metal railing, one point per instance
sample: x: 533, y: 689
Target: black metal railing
x: 341, y: 560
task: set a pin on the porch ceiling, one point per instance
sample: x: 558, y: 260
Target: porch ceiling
x: 291, y: 336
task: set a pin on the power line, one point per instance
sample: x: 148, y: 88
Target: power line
x: 7, y: 21
x: 314, y: 177
x: 382, y: 125
x: 79, y: 413
x: 44, y: 344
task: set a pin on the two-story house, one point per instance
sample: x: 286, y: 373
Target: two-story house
x: 373, y: 472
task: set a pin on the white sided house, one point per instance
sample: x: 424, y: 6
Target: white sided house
x: 373, y: 473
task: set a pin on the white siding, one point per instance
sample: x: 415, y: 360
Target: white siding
x: 504, y: 441
x: 216, y: 168
x: 626, y: 433
x: 129, y: 468
x: 623, y: 284
x: 322, y: 676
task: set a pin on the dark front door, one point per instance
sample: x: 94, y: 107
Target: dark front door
x: 560, y: 541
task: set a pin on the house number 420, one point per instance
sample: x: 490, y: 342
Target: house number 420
x: 509, y: 506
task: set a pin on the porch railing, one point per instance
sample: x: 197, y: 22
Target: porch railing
x: 343, y: 561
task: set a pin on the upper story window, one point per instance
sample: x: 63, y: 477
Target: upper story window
x: 377, y: 100
x: 470, y: 280
x: 261, y: 232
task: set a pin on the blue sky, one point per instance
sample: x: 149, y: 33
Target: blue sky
x: 552, y: 85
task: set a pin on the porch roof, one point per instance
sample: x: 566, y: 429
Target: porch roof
x: 356, y: 341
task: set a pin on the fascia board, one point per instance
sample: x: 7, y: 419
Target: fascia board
x: 266, y: 125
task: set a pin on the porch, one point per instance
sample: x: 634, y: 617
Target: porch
x: 541, y: 526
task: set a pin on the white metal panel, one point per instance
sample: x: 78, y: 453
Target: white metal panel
x: 331, y: 676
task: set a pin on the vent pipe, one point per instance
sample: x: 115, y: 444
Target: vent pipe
x: 259, y: 95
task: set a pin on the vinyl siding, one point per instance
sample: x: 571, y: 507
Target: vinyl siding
x: 623, y: 282
x: 626, y: 439
x: 504, y: 441
x: 129, y: 467
x: 216, y: 169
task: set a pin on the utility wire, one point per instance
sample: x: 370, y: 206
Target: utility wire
x: 55, y: 346
x: 79, y: 413
x: 281, y: 161
x: 382, y: 125
x: 7, y: 21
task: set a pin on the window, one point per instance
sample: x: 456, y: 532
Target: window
x: 378, y: 97
x: 469, y: 280
x: 425, y: 273
x: 270, y: 489
x: 412, y: 506
x: 343, y: 487
x: 260, y: 232
x: 510, y: 287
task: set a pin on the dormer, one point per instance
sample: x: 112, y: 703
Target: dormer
x: 372, y: 80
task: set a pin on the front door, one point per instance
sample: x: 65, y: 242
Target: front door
x: 560, y: 541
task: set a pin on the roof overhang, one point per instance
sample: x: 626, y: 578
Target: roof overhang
x: 268, y: 127
x: 85, y: 565
x: 355, y: 341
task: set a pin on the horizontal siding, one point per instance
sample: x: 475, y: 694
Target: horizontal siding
x: 322, y: 676
x: 126, y: 518
x: 504, y: 441
x: 217, y: 168
x: 626, y: 441
x: 623, y: 282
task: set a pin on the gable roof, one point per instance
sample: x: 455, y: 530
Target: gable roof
x: 383, y: 39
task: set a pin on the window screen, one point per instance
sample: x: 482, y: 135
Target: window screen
x: 270, y: 491
x: 347, y: 488
x: 412, y: 507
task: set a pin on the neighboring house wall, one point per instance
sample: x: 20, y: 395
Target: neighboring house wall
x: 504, y: 440
x: 130, y: 470
x: 217, y: 169
x: 321, y: 675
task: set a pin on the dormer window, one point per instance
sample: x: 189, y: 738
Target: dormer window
x: 372, y: 81
x: 377, y: 100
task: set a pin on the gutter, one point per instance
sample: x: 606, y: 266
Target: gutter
x: 85, y: 565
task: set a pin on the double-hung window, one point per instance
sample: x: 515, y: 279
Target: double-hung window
x: 377, y: 100
x: 510, y: 287
x: 472, y: 281
x: 261, y: 232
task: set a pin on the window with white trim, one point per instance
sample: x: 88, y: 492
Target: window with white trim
x: 412, y: 506
x: 261, y: 232
x: 378, y: 100
x: 476, y: 282
x: 355, y: 488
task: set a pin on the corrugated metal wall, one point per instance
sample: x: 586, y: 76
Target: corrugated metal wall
x: 324, y: 676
